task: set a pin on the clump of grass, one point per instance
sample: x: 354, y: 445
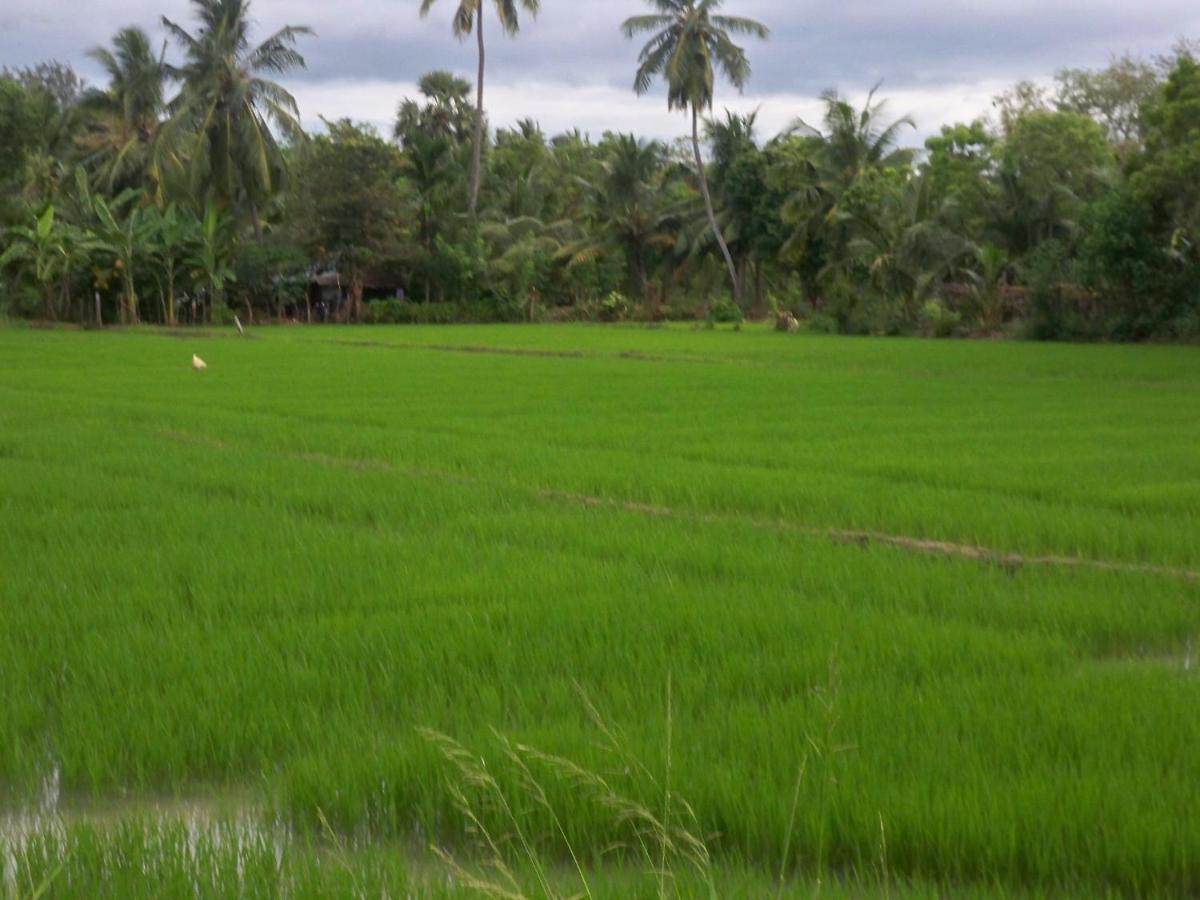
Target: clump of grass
x: 661, y: 837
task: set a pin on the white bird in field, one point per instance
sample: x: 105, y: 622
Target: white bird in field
x: 198, y: 364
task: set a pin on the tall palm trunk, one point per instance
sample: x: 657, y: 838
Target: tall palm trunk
x: 712, y: 216
x: 477, y: 150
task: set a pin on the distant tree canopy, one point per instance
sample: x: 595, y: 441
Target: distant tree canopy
x: 182, y: 189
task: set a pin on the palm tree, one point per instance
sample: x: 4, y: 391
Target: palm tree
x: 447, y: 112
x: 628, y: 209
x: 855, y: 140
x: 990, y: 271
x: 853, y: 145
x: 432, y: 170
x: 902, y: 243
x: 687, y: 39
x: 468, y: 17
x: 124, y: 119
x: 227, y: 106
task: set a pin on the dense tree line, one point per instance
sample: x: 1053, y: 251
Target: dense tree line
x: 186, y: 190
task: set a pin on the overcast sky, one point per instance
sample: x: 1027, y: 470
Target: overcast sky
x: 939, y: 60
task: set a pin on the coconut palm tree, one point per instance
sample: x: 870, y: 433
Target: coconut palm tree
x: 687, y: 38
x: 124, y: 119
x: 852, y: 147
x: 902, y: 242
x: 226, y: 107
x: 468, y: 17
x: 856, y: 140
x: 628, y: 208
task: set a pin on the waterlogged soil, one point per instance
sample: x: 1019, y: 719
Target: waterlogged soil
x: 52, y: 808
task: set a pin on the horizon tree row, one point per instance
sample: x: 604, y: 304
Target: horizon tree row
x: 189, y: 190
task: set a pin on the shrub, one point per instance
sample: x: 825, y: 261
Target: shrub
x: 724, y: 312
x: 786, y: 322
x: 822, y: 323
x: 937, y: 320
x: 222, y: 314
x: 559, y: 314
x: 403, y: 312
x: 615, y: 307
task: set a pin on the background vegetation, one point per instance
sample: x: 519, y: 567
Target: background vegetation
x: 184, y: 189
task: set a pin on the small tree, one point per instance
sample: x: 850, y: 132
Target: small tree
x: 347, y: 202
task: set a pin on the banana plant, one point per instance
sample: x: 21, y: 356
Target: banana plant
x: 212, y: 251
x: 175, y: 233
x: 41, y: 251
x: 127, y: 238
x: 124, y: 229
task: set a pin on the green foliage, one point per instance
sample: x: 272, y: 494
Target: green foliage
x: 402, y: 312
x: 1168, y: 178
x: 120, y: 144
x: 614, y: 308
x: 937, y: 320
x: 271, y: 276
x: 447, y: 113
x: 18, y: 119
x: 1048, y: 271
x: 958, y: 167
x: 724, y: 311
x: 687, y: 42
x: 1123, y: 259
x: 1115, y: 97
x: 346, y: 207
x: 226, y: 120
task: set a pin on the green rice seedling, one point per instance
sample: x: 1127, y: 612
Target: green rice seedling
x: 258, y: 584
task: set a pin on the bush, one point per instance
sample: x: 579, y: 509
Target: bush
x: 937, y: 320
x: 822, y: 323
x: 786, y: 322
x: 222, y: 314
x: 861, y: 312
x: 560, y: 314
x: 615, y: 307
x: 682, y: 311
x: 1058, y: 308
x: 403, y: 312
x: 725, y: 312
x: 19, y: 300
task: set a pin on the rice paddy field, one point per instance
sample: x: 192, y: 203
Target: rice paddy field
x: 638, y: 612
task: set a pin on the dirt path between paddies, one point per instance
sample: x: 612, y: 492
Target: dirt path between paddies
x: 924, y: 546
x: 1011, y: 561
